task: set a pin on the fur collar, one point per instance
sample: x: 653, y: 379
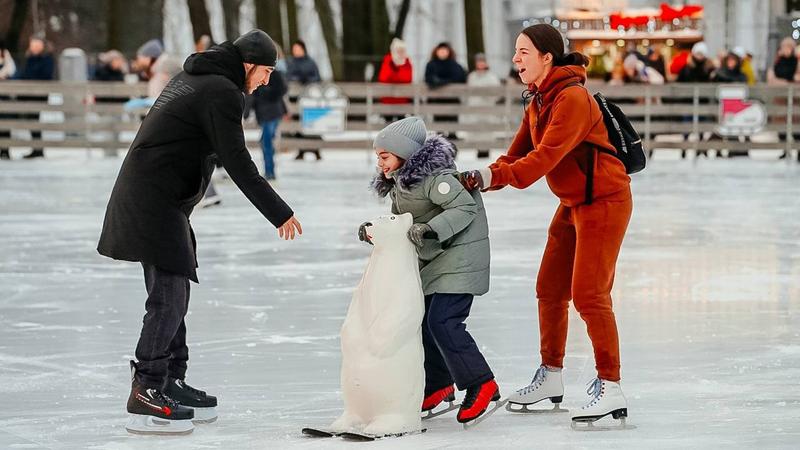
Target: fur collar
x: 434, y: 157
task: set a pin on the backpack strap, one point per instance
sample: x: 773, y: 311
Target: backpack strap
x: 589, y: 189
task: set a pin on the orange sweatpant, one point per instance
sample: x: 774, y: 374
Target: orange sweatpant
x: 579, y: 262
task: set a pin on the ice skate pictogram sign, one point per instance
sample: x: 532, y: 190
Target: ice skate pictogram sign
x: 739, y: 116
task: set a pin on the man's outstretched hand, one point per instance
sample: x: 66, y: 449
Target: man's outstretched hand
x: 288, y: 229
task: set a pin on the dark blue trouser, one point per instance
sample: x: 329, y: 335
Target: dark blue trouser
x: 268, y: 131
x: 450, y: 352
x: 162, y: 349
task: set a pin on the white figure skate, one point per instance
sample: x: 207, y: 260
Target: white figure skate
x: 545, y: 385
x: 605, y: 397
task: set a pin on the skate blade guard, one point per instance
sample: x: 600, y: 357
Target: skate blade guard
x: 364, y: 437
x: 142, y: 424
x: 204, y: 415
x: 590, y: 423
x: 319, y: 432
x: 524, y: 408
x: 484, y: 415
x: 430, y: 414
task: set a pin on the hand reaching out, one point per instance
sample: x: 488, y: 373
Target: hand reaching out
x: 287, y: 230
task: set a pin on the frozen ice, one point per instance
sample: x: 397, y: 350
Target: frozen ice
x: 707, y: 299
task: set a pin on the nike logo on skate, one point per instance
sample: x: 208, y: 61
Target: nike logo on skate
x: 147, y: 401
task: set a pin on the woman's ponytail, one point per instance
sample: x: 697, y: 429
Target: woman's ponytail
x: 572, y: 59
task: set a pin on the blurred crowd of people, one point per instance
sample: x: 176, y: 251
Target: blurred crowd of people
x: 691, y: 64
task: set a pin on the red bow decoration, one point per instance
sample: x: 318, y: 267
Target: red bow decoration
x: 668, y: 14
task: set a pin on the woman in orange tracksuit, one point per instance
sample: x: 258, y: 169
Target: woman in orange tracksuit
x: 559, y: 139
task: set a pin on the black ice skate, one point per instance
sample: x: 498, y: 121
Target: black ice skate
x: 204, y: 405
x: 152, y: 412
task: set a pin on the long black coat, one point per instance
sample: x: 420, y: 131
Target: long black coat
x: 170, y: 163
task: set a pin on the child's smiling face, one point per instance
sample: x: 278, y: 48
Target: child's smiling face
x: 388, y: 162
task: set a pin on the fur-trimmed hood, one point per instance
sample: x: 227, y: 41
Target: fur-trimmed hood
x: 436, y: 155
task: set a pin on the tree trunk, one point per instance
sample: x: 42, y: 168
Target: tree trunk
x: 291, y: 13
x: 323, y: 8
x: 379, y: 22
x: 114, y: 26
x: 401, y: 19
x: 268, y: 18
x: 356, y: 39
x: 473, y: 23
x: 198, y: 14
x: 231, y: 10
x: 19, y: 15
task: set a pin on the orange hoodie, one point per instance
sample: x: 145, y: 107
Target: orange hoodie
x: 559, y: 130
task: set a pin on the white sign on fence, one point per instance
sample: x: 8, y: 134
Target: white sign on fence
x: 738, y: 115
x: 323, y: 109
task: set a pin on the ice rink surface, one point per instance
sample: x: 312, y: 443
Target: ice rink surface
x: 707, y: 298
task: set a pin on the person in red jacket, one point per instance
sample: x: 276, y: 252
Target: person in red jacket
x: 559, y: 138
x: 396, y: 69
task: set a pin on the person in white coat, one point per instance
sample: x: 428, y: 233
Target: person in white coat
x: 480, y: 77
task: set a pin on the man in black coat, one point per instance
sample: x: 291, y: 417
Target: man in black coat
x: 197, y: 116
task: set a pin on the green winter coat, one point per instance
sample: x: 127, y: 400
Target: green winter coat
x: 457, y: 261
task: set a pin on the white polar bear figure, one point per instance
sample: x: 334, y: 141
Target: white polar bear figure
x: 383, y: 376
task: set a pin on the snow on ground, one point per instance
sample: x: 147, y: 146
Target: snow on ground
x: 707, y: 298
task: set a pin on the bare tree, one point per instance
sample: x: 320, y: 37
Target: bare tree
x: 323, y: 8
x: 20, y: 11
x: 273, y: 16
x: 230, y: 9
x: 401, y: 19
x: 198, y: 14
x: 473, y: 23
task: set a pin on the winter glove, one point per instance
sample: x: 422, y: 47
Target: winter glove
x: 420, y: 231
x: 362, y: 233
x: 475, y: 179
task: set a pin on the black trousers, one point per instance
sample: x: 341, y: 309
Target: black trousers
x: 450, y: 352
x: 162, y: 349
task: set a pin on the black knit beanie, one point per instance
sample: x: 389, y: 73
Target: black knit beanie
x: 256, y: 47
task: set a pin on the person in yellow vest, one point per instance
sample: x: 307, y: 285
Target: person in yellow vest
x: 747, y: 65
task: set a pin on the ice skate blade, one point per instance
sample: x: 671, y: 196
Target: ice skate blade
x: 319, y: 432
x: 497, y: 405
x: 430, y: 414
x: 365, y: 437
x: 142, y: 424
x: 524, y: 408
x: 588, y: 424
x: 204, y: 415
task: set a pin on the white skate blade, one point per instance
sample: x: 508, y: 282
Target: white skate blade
x: 205, y: 415
x: 142, y: 424
x: 590, y: 424
x: 497, y: 405
x: 524, y: 408
x: 431, y: 414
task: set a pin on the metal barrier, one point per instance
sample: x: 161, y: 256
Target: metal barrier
x: 91, y: 115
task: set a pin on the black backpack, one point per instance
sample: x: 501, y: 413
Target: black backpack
x: 621, y: 135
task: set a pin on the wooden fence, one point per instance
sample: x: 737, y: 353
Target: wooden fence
x: 91, y: 115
